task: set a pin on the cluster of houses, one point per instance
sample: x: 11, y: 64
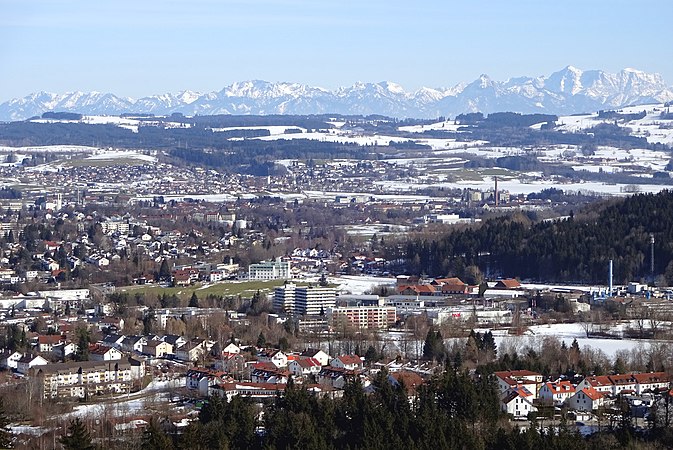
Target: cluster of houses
x: 269, y: 373
x: 523, y: 391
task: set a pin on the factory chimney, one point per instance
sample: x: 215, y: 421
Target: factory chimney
x: 610, y: 279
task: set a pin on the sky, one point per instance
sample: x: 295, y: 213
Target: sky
x: 145, y: 47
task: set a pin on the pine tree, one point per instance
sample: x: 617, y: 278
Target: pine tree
x: 194, y: 301
x: 6, y: 439
x: 77, y: 437
x: 83, y: 340
x: 154, y: 438
x: 261, y: 340
x: 164, y: 271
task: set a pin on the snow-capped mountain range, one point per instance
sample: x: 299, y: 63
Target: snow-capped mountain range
x: 567, y: 91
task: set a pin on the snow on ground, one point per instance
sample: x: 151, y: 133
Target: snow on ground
x: 567, y: 332
x: 358, y: 285
x: 121, y: 154
x: 516, y: 186
x: 449, y: 125
x: 336, y: 136
x: 274, y: 130
x: 372, y: 229
x: 651, y: 127
x: 389, y: 197
x: 27, y: 429
x: 50, y: 148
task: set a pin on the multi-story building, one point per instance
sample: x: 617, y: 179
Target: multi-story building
x: 84, y: 378
x: 362, y: 317
x: 270, y: 270
x: 304, y: 300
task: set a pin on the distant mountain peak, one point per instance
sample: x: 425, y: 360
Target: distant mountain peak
x: 569, y: 90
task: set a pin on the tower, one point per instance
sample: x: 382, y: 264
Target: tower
x: 496, y: 197
x: 610, y: 279
x: 652, y: 256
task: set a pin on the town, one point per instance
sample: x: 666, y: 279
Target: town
x: 138, y: 287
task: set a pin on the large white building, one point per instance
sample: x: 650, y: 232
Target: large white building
x: 304, y: 300
x: 270, y: 270
x: 362, y: 317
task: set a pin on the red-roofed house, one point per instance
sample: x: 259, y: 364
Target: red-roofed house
x: 417, y: 289
x: 510, y: 380
x: 99, y: 352
x: 349, y: 362
x: 600, y: 383
x: 304, y: 367
x: 45, y: 343
x: 651, y: 381
x: 557, y: 393
x: 508, y: 283
x: 518, y: 402
x: 452, y: 285
x: 586, y: 399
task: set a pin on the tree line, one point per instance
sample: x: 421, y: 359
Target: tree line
x: 575, y: 249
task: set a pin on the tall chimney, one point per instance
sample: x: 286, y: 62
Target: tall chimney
x: 652, y: 256
x: 610, y: 279
x: 495, y: 194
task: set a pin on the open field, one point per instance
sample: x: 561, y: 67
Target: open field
x: 225, y: 289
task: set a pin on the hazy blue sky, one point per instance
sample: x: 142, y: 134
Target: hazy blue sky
x: 143, y: 47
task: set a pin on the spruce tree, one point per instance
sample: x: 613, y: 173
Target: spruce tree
x: 77, y: 437
x: 194, y: 301
x: 154, y: 438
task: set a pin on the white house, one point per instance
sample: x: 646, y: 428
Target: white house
x: 62, y: 351
x: 518, y: 403
x: 103, y: 353
x: 601, y: 383
x: 322, y: 357
x: 27, y: 362
x: 157, y: 349
x: 304, y: 367
x: 134, y: 343
x: 201, y: 379
x: 510, y: 380
x: 9, y: 359
x: 231, y: 348
x: 586, y: 399
x: 348, y: 362
x: 276, y: 357
x: 651, y: 381
x: 556, y: 393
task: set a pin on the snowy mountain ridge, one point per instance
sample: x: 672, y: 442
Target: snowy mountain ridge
x: 568, y: 91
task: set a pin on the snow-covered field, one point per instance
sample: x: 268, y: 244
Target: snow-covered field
x: 651, y: 127
x: 357, y: 285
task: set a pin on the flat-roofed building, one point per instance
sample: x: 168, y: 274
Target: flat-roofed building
x: 270, y: 270
x: 363, y: 317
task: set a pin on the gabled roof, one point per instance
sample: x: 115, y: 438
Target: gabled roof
x: 307, y: 363
x: 411, y: 380
x: 651, y: 377
x: 592, y: 393
x: 350, y: 359
x: 49, y: 339
x: 622, y: 379
x: 599, y: 381
x: 517, y: 393
x: 508, y: 283
x: 560, y: 387
x: 311, y: 352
